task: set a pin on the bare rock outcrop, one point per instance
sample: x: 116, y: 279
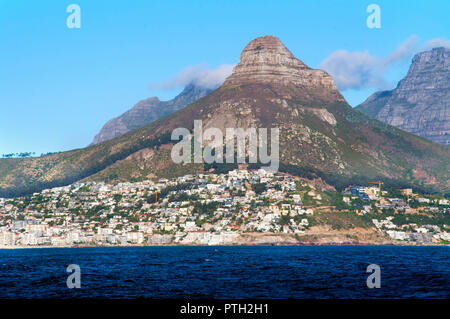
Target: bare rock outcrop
x: 267, y: 60
x: 420, y: 104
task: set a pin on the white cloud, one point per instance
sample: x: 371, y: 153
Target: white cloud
x: 435, y: 43
x: 360, y: 69
x: 404, y: 51
x: 199, y: 75
x: 353, y: 70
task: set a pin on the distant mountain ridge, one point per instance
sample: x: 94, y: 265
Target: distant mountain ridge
x: 147, y: 111
x: 420, y: 104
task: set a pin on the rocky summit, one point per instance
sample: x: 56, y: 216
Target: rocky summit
x: 147, y: 111
x: 321, y: 137
x: 420, y: 104
x: 267, y: 60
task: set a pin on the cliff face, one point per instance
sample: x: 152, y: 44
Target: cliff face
x: 147, y: 111
x: 420, y: 104
x: 266, y: 60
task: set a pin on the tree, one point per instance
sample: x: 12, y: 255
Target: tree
x: 259, y: 188
x: 284, y: 220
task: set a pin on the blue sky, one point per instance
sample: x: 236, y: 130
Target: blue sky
x: 58, y: 86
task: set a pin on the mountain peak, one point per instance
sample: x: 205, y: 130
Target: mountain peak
x: 320, y: 136
x: 269, y: 50
x: 419, y: 103
x: 437, y: 58
x: 267, y: 60
x: 147, y: 111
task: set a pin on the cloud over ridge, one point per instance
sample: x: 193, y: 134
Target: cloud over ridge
x: 200, y: 75
x: 360, y: 69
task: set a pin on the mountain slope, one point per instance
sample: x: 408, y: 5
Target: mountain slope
x: 420, y: 104
x: 320, y: 134
x: 147, y: 111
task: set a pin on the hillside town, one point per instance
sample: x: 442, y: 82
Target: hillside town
x: 215, y: 209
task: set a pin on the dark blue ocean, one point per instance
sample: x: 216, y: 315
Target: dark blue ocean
x: 227, y: 272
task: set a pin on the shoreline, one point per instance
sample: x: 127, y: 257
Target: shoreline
x: 230, y: 245
x: 317, y: 236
